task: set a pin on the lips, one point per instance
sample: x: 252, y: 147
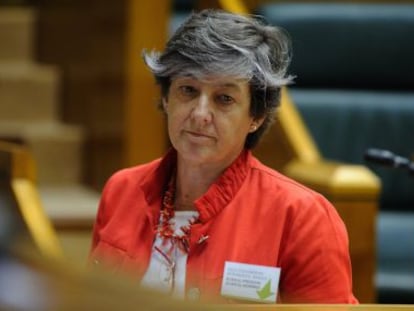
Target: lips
x: 199, y: 135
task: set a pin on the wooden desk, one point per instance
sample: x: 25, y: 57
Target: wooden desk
x: 315, y: 307
x: 65, y: 286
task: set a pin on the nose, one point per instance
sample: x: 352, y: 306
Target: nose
x: 202, y: 112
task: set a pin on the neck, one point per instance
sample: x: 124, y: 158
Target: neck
x: 193, y: 181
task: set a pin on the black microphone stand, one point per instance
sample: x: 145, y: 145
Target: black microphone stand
x: 388, y: 158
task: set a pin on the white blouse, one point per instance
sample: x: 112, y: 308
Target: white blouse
x: 167, y: 268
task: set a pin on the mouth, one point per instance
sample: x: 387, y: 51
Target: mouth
x: 199, y: 135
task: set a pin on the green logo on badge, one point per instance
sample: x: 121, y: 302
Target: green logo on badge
x: 265, y: 292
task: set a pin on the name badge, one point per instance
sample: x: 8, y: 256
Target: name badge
x: 250, y: 282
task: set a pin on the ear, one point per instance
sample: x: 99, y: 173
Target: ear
x: 256, y: 123
x: 165, y: 104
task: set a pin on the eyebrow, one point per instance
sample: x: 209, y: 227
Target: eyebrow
x: 230, y: 85
x: 216, y: 84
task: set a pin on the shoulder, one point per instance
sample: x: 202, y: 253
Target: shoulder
x: 123, y: 193
x: 125, y: 186
x: 308, y: 215
x: 274, y: 181
x: 131, y: 175
x: 289, y: 194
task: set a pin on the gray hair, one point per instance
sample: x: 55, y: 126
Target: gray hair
x: 214, y: 42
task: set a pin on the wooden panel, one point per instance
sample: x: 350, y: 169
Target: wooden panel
x: 360, y: 220
x: 145, y: 136
x: 86, y: 40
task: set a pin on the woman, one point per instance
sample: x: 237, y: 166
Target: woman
x: 177, y: 223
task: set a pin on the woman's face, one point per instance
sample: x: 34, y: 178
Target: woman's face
x: 209, y: 119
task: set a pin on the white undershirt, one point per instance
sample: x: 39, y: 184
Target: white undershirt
x: 158, y: 275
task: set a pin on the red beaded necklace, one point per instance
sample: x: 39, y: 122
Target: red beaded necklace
x: 165, y: 228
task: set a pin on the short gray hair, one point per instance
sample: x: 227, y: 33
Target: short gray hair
x: 214, y: 42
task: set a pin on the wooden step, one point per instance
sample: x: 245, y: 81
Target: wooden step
x: 28, y: 92
x: 72, y: 210
x: 57, y: 148
x: 70, y: 206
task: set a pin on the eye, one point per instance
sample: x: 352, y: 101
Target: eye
x: 187, y: 90
x: 225, y: 99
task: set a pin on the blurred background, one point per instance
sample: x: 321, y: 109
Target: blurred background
x: 75, y: 92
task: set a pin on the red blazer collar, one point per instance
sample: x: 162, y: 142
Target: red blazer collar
x: 220, y: 193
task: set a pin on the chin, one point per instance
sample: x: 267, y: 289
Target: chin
x: 197, y: 155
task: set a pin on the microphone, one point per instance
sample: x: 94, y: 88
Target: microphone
x: 387, y: 158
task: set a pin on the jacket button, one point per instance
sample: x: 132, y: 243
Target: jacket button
x: 193, y: 294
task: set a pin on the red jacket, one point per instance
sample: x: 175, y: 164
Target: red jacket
x: 251, y: 214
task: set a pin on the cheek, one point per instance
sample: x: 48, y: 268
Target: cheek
x: 238, y: 123
x: 176, y: 118
x: 231, y: 129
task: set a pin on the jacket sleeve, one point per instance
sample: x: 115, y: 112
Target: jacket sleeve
x: 315, y: 262
x: 108, y: 205
x: 100, y: 218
